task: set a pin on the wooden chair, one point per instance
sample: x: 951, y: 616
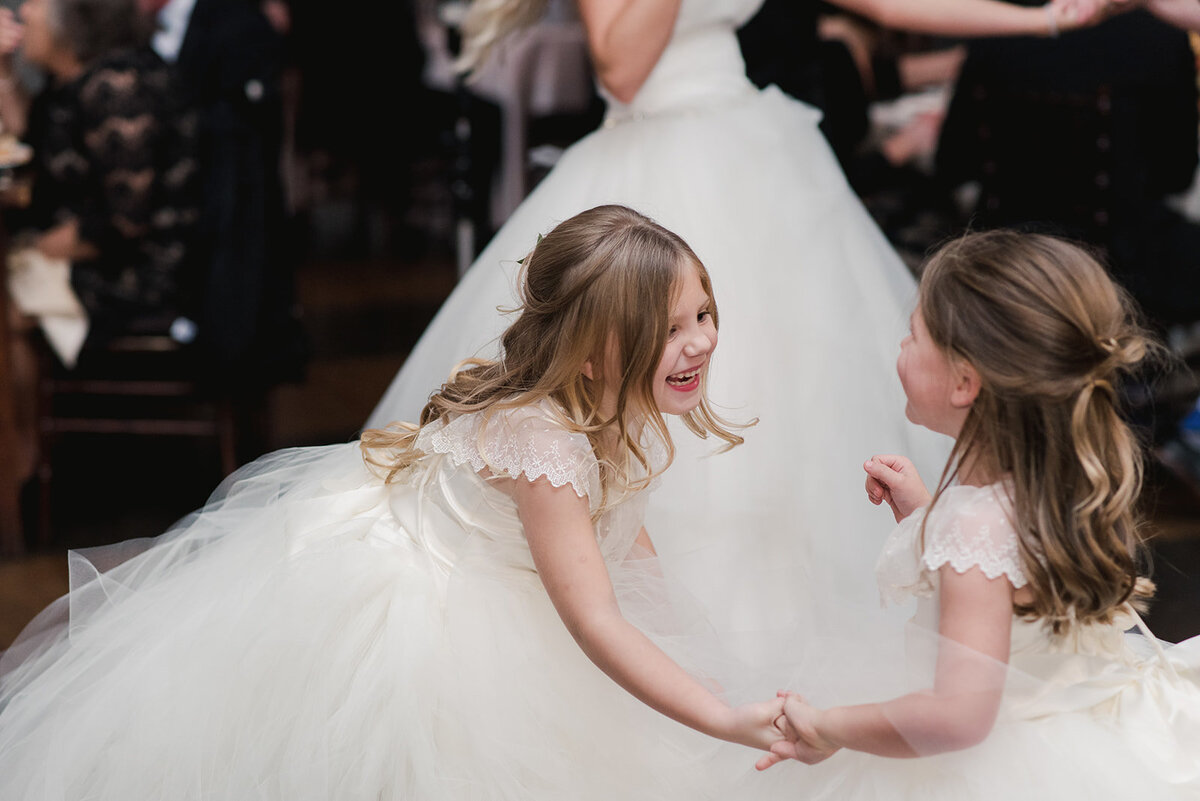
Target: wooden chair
x: 143, y: 383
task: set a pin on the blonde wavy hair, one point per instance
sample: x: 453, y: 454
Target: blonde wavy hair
x: 598, y: 288
x: 489, y: 22
x: 1050, y: 336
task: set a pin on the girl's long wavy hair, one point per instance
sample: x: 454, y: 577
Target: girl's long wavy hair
x: 597, y: 289
x: 1050, y: 336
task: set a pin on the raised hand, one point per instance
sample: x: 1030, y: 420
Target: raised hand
x: 894, y: 479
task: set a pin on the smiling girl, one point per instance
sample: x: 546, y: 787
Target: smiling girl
x: 461, y: 616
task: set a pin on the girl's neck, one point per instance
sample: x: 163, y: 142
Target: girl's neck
x: 978, y: 471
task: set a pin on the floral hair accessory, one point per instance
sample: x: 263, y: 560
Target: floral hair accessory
x: 530, y: 253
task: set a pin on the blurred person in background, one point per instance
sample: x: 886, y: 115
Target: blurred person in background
x: 114, y: 168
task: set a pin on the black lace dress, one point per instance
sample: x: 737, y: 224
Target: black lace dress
x: 115, y: 150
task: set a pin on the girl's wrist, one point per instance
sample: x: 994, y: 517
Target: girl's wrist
x: 825, y: 727
x: 724, y: 723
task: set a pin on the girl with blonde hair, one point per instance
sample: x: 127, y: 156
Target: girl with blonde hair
x: 1026, y: 559
x: 467, y: 608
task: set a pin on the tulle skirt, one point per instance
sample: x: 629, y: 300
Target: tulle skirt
x: 289, y: 641
x: 292, y: 641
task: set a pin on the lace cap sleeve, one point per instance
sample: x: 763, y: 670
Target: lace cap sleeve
x: 969, y: 527
x: 527, y: 441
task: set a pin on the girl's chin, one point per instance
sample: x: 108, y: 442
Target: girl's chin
x: 680, y: 406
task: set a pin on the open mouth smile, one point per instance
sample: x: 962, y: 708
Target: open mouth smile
x: 686, y: 381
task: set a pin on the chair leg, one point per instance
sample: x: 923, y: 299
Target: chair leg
x: 227, y: 434
x: 45, y: 472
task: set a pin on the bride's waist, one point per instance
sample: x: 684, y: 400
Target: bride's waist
x: 701, y: 69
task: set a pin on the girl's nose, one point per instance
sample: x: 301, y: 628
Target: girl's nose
x: 698, y: 344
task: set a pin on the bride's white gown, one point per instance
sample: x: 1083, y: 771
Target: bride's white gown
x: 813, y: 303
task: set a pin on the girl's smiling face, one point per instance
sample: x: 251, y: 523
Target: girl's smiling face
x: 691, y: 338
x: 939, y: 388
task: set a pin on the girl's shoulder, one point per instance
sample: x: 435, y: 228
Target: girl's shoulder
x: 968, y: 527
x: 972, y: 527
x: 531, y: 441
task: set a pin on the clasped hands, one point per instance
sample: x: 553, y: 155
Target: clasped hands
x: 800, y: 738
x: 1071, y: 14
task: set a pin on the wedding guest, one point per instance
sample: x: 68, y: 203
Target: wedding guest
x: 113, y: 166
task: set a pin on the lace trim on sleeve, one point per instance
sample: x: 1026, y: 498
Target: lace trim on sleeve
x: 974, y: 532
x: 525, y: 441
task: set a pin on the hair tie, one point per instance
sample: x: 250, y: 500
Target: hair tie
x: 1108, y: 344
x: 1102, y: 384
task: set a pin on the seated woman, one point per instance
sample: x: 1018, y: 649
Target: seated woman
x: 114, y: 168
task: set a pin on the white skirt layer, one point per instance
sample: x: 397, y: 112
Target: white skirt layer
x: 813, y: 304
x: 290, y: 642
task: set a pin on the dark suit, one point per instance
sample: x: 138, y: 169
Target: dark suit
x: 230, y: 64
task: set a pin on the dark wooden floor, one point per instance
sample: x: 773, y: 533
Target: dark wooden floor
x: 363, y: 314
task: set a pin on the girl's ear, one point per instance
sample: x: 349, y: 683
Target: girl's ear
x: 966, y: 384
x: 587, y: 369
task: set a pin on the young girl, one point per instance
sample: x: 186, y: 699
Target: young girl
x: 436, y: 622
x: 1025, y: 560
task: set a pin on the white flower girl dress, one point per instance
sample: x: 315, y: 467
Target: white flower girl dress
x: 1105, y: 712
x: 315, y: 634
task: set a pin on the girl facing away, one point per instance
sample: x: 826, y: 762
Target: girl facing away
x: 471, y: 611
x: 1025, y: 560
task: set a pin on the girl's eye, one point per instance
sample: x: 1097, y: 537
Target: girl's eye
x: 672, y: 332
x: 703, y: 316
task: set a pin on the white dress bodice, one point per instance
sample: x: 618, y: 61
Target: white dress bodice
x: 1094, y: 667
x: 701, y: 66
x: 455, y: 498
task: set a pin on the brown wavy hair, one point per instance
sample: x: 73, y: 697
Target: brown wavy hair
x: 1050, y: 335
x: 598, y: 288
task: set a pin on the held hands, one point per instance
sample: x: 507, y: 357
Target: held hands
x: 754, y: 724
x: 894, y: 479
x: 1067, y: 15
x: 802, y: 740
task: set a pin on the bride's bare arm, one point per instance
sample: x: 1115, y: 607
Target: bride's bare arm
x: 626, y: 37
x: 563, y: 543
x: 1180, y: 13
x: 969, y: 17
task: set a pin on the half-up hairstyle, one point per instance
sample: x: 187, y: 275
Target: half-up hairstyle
x: 597, y: 289
x: 1050, y: 336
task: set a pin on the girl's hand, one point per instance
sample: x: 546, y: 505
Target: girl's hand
x: 754, y: 724
x: 894, y: 479
x: 803, y: 743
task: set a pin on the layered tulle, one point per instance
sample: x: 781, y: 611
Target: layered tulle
x: 292, y: 640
